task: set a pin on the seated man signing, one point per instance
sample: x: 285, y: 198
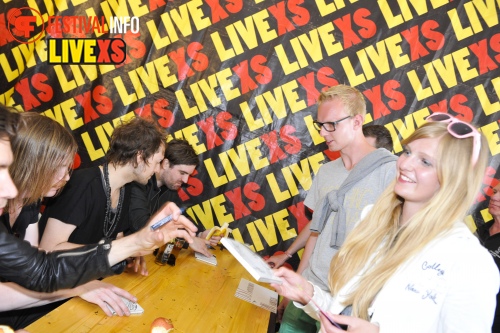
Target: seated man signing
x: 94, y: 203
x: 180, y: 162
x: 37, y: 270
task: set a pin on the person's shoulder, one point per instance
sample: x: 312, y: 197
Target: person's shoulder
x: 31, y: 211
x: 461, y: 241
x: 331, y: 166
x: 466, y: 249
x: 328, y: 170
x: 135, y: 186
x: 459, y: 251
x: 483, y: 229
x: 86, y: 174
x: 389, y: 167
x: 166, y: 195
x: 81, y: 181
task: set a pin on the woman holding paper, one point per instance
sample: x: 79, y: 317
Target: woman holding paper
x: 412, y: 265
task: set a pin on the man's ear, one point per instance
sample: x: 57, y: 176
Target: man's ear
x: 165, y: 164
x: 139, y: 157
x: 358, y: 121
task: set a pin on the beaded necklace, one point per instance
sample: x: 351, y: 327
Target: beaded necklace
x: 110, y: 219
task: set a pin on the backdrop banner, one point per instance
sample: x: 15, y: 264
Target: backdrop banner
x: 240, y: 81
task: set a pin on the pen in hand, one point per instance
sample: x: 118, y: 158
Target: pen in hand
x: 165, y: 220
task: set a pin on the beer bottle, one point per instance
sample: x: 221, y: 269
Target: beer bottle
x: 179, y: 243
x: 164, y: 253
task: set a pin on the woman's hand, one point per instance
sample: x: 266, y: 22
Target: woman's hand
x: 294, y: 286
x: 100, y: 293
x: 355, y: 325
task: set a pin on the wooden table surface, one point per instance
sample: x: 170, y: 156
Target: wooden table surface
x: 196, y: 296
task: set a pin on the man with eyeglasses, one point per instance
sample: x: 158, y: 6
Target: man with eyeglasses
x: 340, y: 191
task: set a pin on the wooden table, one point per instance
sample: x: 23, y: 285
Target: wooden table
x: 196, y: 296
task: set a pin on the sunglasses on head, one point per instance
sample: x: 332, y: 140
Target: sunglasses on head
x: 460, y: 130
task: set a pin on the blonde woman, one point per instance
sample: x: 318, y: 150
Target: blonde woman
x: 412, y: 265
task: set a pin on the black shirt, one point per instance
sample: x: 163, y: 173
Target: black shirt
x: 27, y: 216
x: 492, y: 244
x: 147, y: 199
x: 83, y: 204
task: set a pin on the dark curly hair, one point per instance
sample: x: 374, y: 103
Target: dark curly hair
x: 179, y: 151
x: 383, y: 138
x: 138, y: 136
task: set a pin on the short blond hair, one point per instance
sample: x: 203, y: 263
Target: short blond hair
x: 352, y: 98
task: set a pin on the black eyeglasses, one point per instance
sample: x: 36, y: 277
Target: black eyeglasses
x: 329, y: 126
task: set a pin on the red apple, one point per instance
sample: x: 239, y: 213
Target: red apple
x: 161, y: 325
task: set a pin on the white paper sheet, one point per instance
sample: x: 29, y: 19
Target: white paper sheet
x: 257, y: 295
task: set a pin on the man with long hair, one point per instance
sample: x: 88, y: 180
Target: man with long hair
x: 94, y: 203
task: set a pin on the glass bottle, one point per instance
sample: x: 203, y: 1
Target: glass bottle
x: 179, y: 243
x: 164, y: 253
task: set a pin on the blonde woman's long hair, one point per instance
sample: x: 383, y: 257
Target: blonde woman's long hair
x: 380, y: 230
x: 40, y: 148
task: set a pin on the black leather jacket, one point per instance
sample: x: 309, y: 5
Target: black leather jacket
x: 46, y: 272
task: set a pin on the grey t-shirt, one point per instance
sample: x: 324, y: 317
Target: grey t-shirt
x: 330, y: 177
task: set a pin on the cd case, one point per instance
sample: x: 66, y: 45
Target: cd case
x: 204, y: 258
x: 252, y: 262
